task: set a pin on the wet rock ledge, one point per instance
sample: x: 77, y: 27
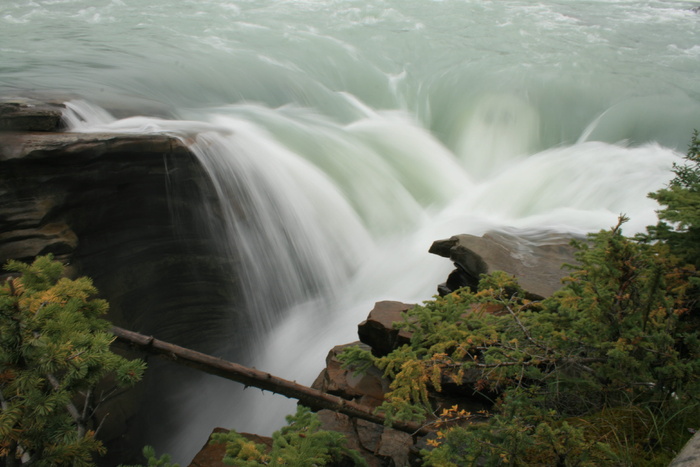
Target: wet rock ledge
x: 126, y: 210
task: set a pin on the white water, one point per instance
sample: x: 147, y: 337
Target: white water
x: 359, y: 132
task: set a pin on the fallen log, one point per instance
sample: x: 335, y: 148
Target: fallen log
x: 309, y: 397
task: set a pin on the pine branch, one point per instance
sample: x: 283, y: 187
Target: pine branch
x: 70, y: 407
x: 86, y: 404
x: 525, y: 330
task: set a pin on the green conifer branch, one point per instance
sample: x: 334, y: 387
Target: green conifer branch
x: 54, y: 349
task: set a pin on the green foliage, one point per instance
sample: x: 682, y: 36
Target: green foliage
x: 152, y: 461
x: 520, y: 432
x: 54, y: 351
x: 299, y: 444
x: 616, y: 339
x: 679, y: 219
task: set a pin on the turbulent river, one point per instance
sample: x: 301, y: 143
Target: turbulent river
x: 359, y: 131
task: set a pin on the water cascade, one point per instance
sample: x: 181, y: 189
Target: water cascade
x: 343, y: 138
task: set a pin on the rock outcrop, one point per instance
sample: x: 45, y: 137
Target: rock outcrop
x: 127, y: 210
x: 366, y: 388
x: 377, y: 330
x: 25, y: 114
x: 211, y: 455
x: 537, y: 265
x: 134, y: 213
x: 379, y: 445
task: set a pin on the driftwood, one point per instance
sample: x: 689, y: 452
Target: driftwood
x: 309, y: 397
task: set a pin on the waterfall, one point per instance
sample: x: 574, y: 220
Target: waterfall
x: 329, y: 218
x: 343, y: 137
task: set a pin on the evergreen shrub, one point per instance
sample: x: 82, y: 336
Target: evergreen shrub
x: 54, y: 353
x: 604, y: 372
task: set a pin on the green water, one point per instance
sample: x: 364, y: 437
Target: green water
x: 571, y: 60
x: 361, y: 131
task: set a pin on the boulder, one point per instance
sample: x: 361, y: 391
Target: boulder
x: 395, y: 445
x: 367, y: 388
x: 377, y: 330
x: 690, y: 454
x: 535, y: 262
x: 347, y: 426
x: 211, y: 455
x: 380, y: 446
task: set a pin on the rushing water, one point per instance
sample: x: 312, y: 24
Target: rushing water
x: 359, y: 131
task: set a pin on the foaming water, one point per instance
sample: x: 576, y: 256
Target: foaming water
x: 586, y: 178
x: 331, y: 218
x: 296, y: 232
x: 344, y: 137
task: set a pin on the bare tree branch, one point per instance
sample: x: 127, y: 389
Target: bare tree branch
x: 251, y: 377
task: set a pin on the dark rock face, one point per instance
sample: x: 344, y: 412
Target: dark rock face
x: 377, y: 330
x: 536, y: 265
x: 137, y: 214
x: 380, y: 446
x: 130, y: 211
x: 25, y: 114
